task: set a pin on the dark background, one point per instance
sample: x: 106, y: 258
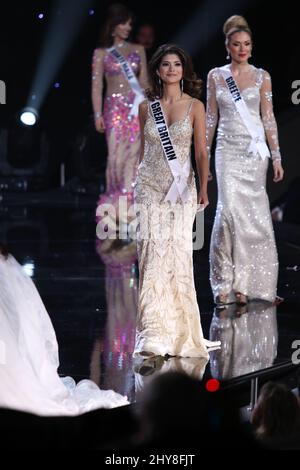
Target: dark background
x: 67, y: 110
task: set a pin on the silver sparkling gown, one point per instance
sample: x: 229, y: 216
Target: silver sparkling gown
x: 243, y: 256
x: 168, y: 319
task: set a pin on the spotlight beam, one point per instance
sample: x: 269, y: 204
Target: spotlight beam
x: 65, y: 22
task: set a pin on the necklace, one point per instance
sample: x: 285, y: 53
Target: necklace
x: 121, y: 44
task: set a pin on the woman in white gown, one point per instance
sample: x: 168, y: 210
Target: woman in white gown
x: 243, y: 256
x: 168, y: 320
x: 29, y: 354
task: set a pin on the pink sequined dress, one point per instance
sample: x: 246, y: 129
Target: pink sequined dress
x: 243, y: 254
x: 121, y: 129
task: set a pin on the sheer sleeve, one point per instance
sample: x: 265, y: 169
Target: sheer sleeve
x: 97, y: 81
x: 269, y: 122
x: 143, y: 77
x: 212, y: 114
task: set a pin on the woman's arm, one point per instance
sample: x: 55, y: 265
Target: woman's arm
x: 142, y: 119
x: 270, y: 126
x: 212, y: 113
x: 97, y: 88
x: 201, y: 156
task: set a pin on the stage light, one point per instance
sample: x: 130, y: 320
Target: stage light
x: 29, y: 116
x: 64, y: 22
x: 91, y: 12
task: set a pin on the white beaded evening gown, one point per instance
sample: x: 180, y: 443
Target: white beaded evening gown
x: 168, y: 320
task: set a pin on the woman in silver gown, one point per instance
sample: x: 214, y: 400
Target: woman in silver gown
x: 168, y: 320
x: 243, y: 255
x: 119, y: 120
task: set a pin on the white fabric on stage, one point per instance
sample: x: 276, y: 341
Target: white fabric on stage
x: 29, y: 355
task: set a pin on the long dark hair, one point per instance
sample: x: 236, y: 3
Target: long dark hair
x: 192, y: 85
x: 116, y: 14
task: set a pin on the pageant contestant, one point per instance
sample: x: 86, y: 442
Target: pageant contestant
x: 243, y: 256
x: 166, y: 198
x: 123, y: 66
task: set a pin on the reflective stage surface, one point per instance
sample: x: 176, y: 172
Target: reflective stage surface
x: 90, y: 290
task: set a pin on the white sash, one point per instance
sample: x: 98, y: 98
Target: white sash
x: 258, y: 142
x: 180, y: 173
x: 130, y: 76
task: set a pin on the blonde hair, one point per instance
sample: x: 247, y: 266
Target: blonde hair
x: 235, y: 24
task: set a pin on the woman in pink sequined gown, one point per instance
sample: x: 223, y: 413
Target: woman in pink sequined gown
x: 121, y: 128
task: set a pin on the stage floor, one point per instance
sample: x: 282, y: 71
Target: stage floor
x: 90, y: 291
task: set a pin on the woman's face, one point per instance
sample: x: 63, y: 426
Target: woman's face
x: 240, y: 46
x: 170, y: 69
x: 123, y: 30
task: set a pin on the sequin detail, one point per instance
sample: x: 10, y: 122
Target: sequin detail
x: 117, y: 117
x: 112, y: 66
x: 258, y: 95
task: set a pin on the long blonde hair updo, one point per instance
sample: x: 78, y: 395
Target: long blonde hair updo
x: 235, y: 24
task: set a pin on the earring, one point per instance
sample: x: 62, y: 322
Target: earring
x: 228, y: 56
x: 159, y: 81
x: 181, y: 85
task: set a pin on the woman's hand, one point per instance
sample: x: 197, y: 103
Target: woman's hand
x: 278, y: 171
x: 99, y: 124
x: 202, y: 200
